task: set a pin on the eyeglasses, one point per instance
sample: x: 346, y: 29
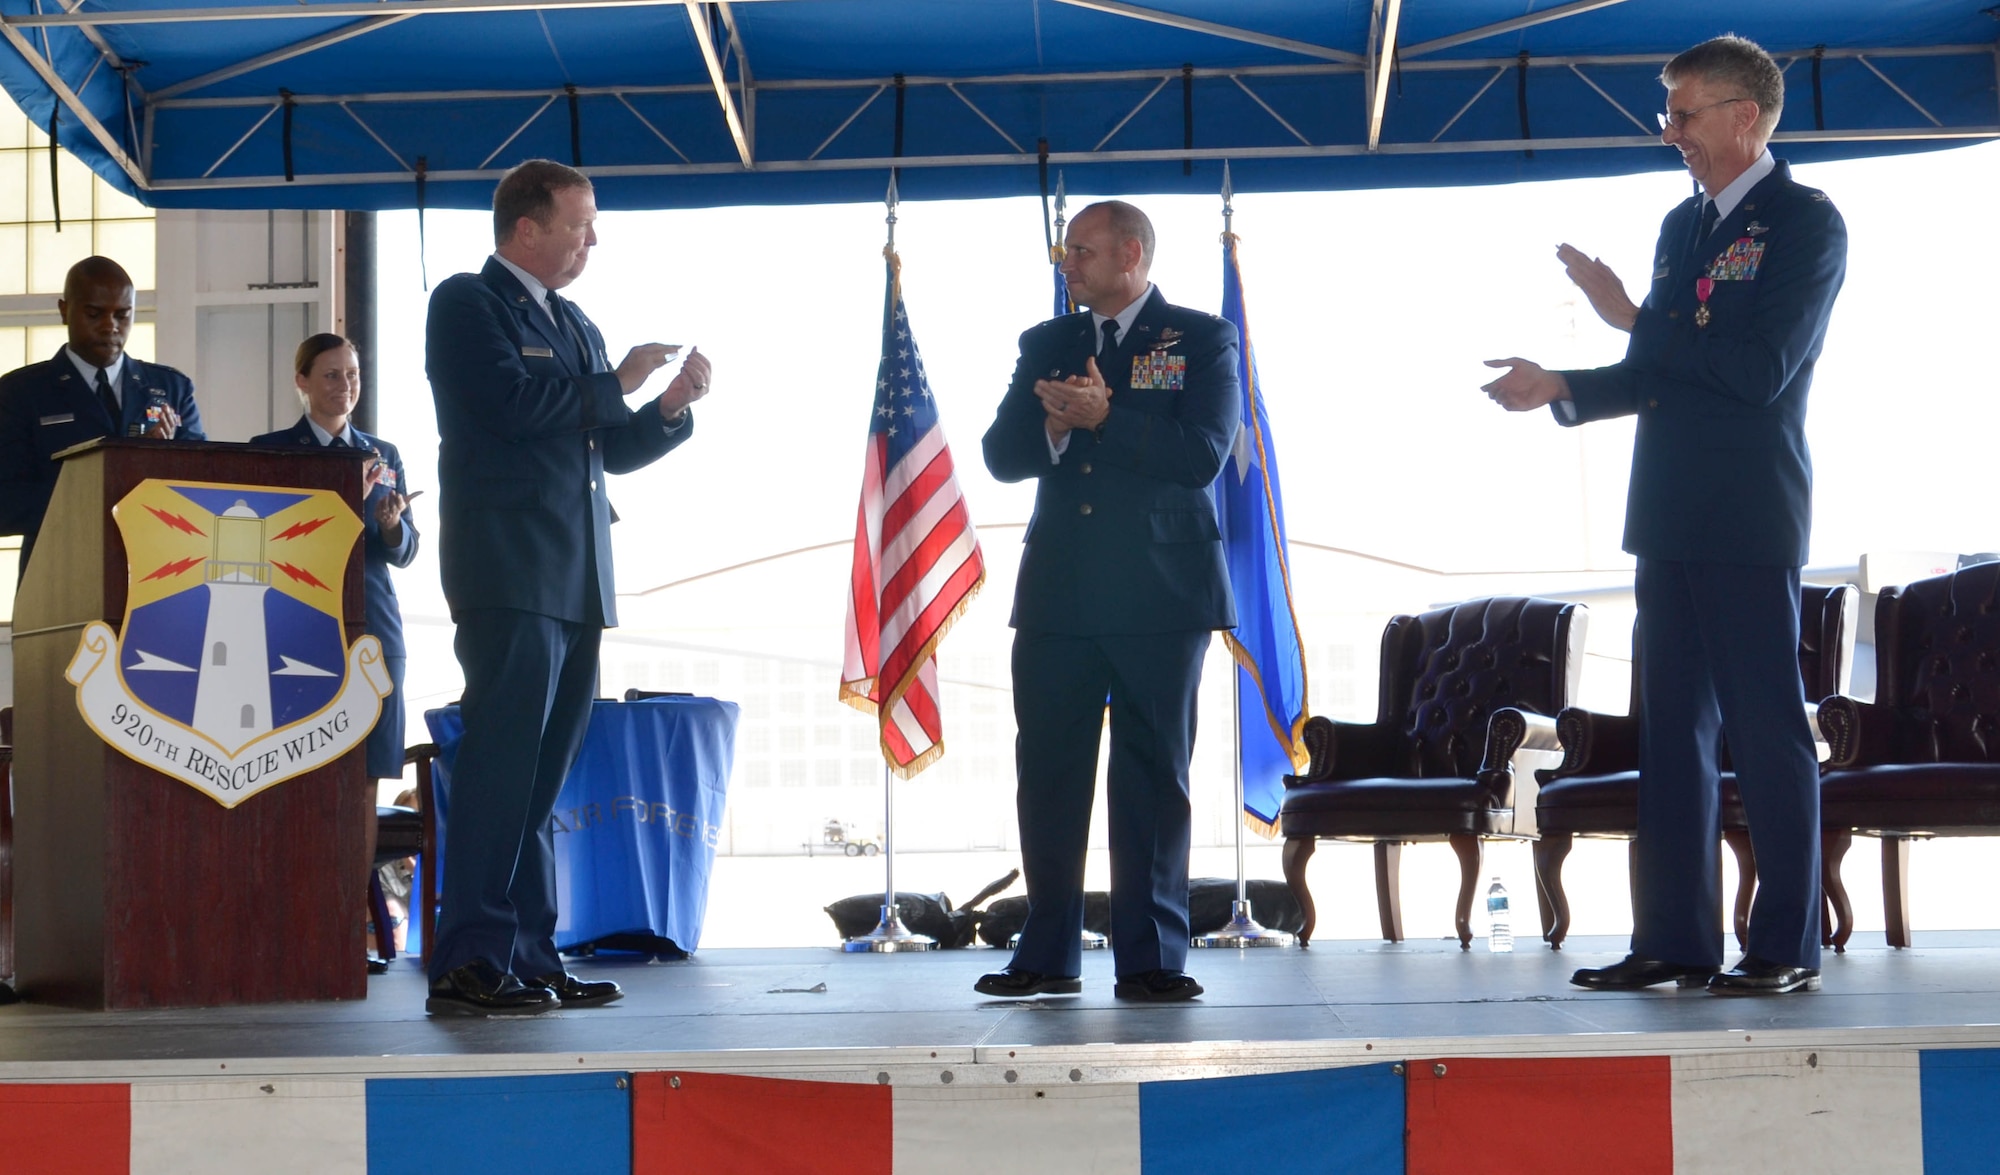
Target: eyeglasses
x: 1678, y: 119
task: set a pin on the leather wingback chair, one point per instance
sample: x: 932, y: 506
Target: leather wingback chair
x: 1437, y: 764
x: 1923, y: 759
x: 1595, y: 791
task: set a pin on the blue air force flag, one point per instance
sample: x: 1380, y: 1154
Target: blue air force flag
x: 1270, y: 664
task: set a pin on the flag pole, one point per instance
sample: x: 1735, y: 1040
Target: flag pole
x: 890, y: 936
x: 1242, y: 930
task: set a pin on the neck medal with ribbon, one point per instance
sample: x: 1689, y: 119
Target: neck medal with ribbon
x: 231, y: 671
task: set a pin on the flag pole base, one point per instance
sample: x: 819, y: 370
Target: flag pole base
x: 1242, y: 931
x: 888, y: 937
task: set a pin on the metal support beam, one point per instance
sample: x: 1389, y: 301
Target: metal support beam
x: 1210, y: 28
x: 1508, y: 26
x: 1259, y: 100
x: 309, y: 11
x: 1053, y: 78
x: 1161, y: 155
x: 1900, y: 92
x: 104, y: 48
x: 1381, y: 62
x: 698, y: 21
x: 74, y: 104
x: 297, y: 49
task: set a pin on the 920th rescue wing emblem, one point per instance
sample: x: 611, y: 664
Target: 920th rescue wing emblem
x: 233, y: 672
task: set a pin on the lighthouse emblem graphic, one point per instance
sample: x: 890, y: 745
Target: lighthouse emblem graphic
x: 232, y: 672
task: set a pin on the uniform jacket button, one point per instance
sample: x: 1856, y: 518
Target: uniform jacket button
x: 1083, y: 509
x: 1652, y: 403
x: 1086, y: 468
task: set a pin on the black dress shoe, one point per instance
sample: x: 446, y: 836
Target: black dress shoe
x: 1636, y: 971
x: 1015, y: 982
x: 1755, y: 976
x: 377, y: 965
x: 1157, y: 987
x: 481, y: 989
x: 578, y: 993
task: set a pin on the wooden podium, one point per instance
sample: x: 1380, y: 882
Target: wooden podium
x: 132, y: 888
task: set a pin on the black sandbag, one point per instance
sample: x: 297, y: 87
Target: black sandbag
x: 1210, y: 900
x: 922, y: 913
x: 1004, y: 918
x: 929, y: 914
x: 1209, y: 904
x: 1003, y: 921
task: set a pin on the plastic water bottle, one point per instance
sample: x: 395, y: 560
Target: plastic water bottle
x: 1499, y: 922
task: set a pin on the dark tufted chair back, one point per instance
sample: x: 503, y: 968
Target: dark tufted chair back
x: 1445, y: 672
x: 1937, y: 645
x: 1826, y: 638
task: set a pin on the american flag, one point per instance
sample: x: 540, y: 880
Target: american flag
x: 916, y: 556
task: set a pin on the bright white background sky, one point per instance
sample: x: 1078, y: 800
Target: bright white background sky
x: 1371, y: 312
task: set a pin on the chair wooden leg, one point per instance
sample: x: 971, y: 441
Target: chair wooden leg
x: 1833, y: 844
x: 1545, y: 911
x: 1896, y: 890
x: 1738, y: 840
x: 1388, y: 888
x: 1550, y: 852
x: 1471, y: 855
x: 1299, y: 850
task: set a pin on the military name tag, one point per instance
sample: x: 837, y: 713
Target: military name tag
x: 60, y: 418
x: 537, y: 353
x: 1159, y: 371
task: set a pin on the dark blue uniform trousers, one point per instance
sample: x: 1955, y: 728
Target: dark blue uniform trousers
x: 1060, y: 689
x: 529, y: 681
x: 1718, y: 650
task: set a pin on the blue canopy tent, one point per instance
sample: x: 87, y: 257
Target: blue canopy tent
x: 395, y: 103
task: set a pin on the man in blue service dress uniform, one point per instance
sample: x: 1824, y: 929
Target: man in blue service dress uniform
x: 90, y: 389
x: 1719, y: 514
x: 531, y: 416
x: 1125, y: 415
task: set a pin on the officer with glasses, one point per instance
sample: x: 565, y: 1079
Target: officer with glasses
x: 1719, y: 513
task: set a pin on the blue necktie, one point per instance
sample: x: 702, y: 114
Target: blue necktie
x: 1109, y: 343
x: 108, y: 398
x: 565, y: 317
x: 1704, y: 225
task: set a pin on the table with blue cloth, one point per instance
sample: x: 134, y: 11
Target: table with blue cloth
x: 637, y: 821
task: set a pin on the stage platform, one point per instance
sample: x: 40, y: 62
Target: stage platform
x: 1416, y: 1024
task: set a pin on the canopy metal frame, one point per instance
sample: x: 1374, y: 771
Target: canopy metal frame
x: 1383, y: 68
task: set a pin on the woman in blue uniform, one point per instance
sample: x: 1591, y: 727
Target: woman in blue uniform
x: 328, y: 374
